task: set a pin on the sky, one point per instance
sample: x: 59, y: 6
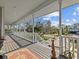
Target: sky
x: 70, y: 15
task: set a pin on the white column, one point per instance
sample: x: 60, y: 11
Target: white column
x: 12, y: 28
x: 24, y: 27
x: 60, y: 29
x: 18, y: 28
x: 1, y: 27
x: 2, y: 30
x: 8, y: 27
x: 1, y: 23
x: 33, y: 29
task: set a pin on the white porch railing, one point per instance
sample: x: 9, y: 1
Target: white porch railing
x: 70, y: 46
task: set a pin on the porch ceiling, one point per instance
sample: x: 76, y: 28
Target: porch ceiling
x: 17, y: 9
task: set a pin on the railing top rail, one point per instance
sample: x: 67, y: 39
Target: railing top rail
x: 71, y: 37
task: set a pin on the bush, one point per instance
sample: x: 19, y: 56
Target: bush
x: 45, y: 37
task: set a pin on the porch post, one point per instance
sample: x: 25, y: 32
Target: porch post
x: 18, y: 28
x: 60, y: 29
x: 1, y: 26
x: 33, y: 29
x: 24, y: 28
x: 1, y: 23
x: 12, y: 28
x: 9, y: 27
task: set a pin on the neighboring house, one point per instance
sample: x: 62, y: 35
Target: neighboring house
x: 74, y: 28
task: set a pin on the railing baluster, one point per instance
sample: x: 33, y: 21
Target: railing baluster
x: 65, y: 47
x: 53, y: 51
x: 73, y: 48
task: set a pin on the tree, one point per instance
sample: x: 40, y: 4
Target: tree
x: 51, y: 30
x: 29, y: 28
x: 39, y: 27
x: 65, y: 30
x: 48, y: 26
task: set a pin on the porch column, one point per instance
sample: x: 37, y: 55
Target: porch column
x: 18, y: 28
x: 1, y: 24
x: 1, y: 27
x: 33, y: 29
x: 12, y: 28
x: 24, y: 26
x: 8, y: 27
x: 24, y: 30
x: 60, y: 29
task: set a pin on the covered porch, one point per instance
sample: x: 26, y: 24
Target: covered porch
x: 15, y: 12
